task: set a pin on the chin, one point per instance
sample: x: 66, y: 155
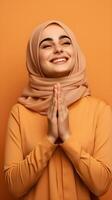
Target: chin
x: 64, y: 68
x: 61, y: 73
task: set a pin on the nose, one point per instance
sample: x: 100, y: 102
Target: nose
x: 58, y: 48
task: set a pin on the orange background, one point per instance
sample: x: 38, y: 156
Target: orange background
x: 91, y: 21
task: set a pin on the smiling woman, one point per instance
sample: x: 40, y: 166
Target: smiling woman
x: 41, y: 63
x: 57, y: 55
x: 59, y: 137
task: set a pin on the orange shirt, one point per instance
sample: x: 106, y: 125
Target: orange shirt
x: 79, y: 168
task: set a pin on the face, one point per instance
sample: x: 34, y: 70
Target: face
x: 56, y: 52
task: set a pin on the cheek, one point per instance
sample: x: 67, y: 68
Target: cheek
x: 41, y: 56
x: 73, y: 55
x: 72, y: 51
x: 44, y: 56
x: 43, y: 60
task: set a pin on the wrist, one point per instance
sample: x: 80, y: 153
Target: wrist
x: 51, y: 139
x: 65, y: 137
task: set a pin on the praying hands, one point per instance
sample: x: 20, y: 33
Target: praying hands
x: 58, y: 119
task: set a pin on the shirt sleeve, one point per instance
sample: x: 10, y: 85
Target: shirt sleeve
x: 95, y: 170
x: 22, y: 173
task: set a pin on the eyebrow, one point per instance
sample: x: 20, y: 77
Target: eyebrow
x: 50, y: 39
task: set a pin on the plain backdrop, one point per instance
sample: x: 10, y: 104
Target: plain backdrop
x: 91, y: 21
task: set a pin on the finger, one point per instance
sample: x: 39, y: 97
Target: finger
x: 59, y: 104
x: 50, y: 110
x: 62, y: 108
x: 60, y: 94
x: 54, y: 106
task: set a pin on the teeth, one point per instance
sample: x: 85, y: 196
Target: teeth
x: 59, y: 60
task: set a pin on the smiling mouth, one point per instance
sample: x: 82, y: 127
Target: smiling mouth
x: 59, y: 60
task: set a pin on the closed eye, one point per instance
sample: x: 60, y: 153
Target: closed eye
x: 67, y: 43
x: 46, y: 46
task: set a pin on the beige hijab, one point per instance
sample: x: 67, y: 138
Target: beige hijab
x: 37, y: 95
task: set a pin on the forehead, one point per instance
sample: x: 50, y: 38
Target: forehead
x: 53, y: 31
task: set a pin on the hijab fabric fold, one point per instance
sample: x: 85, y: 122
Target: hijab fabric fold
x: 38, y: 93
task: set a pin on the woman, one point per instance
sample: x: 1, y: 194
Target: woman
x: 59, y: 137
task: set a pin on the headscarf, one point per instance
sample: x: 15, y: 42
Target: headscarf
x: 38, y: 93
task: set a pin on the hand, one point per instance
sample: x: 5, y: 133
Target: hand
x: 63, y: 118
x: 52, y: 118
